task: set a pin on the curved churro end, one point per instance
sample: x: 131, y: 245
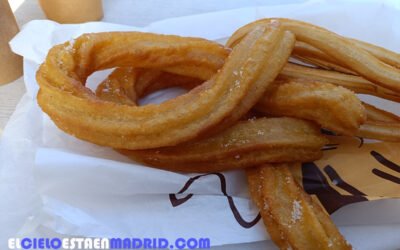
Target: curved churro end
x: 333, y: 107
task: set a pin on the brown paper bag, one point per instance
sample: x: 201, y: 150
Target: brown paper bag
x: 353, y: 171
x: 72, y: 11
x: 10, y: 63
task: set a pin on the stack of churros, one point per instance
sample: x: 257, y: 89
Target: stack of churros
x: 247, y: 107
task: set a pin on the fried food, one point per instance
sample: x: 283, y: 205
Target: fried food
x: 205, y: 130
x: 355, y: 83
x: 245, y: 144
x: 385, y: 55
x: 380, y: 125
x: 248, y: 143
x: 380, y: 131
x: 333, y: 107
x: 376, y: 114
x: 315, y: 56
x: 308, y: 54
x: 344, y: 51
x: 292, y: 218
x: 216, y: 104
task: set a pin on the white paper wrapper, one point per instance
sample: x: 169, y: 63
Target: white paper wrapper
x: 54, y: 184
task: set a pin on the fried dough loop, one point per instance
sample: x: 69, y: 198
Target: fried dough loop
x: 205, y: 109
x: 206, y: 129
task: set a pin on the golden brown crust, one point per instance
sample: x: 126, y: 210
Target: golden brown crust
x: 204, y: 130
x: 289, y: 213
x: 346, y: 52
x: 333, y: 107
x: 206, y: 109
x: 355, y: 83
x: 245, y: 144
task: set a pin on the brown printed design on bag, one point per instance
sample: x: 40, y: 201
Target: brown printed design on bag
x: 334, y: 181
x: 175, y: 201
